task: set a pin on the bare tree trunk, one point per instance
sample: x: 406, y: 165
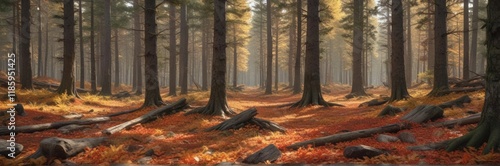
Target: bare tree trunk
x: 82, y: 56
x: 276, y: 51
x: 430, y: 36
x: 269, y: 73
x: 204, y: 57
x: 93, y: 77
x: 312, y: 85
x: 389, y: 49
x: 466, y: 41
x: 357, y: 84
x: 45, y: 73
x: 296, y: 82
x: 235, y: 59
x: 217, y: 104
x: 68, y: 79
x: 105, y: 67
x: 183, y: 63
x: 473, y: 49
x: 398, y: 85
x: 40, y: 55
x: 172, y: 52
x: 409, y: 55
x: 152, y: 97
x: 137, y: 49
x: 441, y: 56
x: 24, y: 46
x: 291, y: 52
x: 117, y: 61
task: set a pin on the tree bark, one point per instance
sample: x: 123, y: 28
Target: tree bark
x: 269, y: 73
x: 276, y: 52
x: 296, y: 79
x: 430, y: 35
x: 217, y: 103
x: 67, y: 85
x: 117, y: 61
x: 82, y: 56
x: 204, y: 57
x: 152, y: 97
x: 291, y: 46
x: 235, y: 58
x: 172, y: 52
x: 105, y: 59
x: 466, y: 69
x: 93, y: 77
x: 441, y: 45
x: 473, y: 49
x: 357, y: 55
x: 409, y: 54
x: 40, y: 55
x: 24, y: 46
x: 183, y: 61
x: 398, y: 84
x: 488, y: 129
x: 137, y: 49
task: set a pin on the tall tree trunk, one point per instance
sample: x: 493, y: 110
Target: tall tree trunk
x: 82, y: 56
x: 473, y: 48
x: 45, y: 73
x: 357, y: 84
x: 24, y: 46
x: 312, y: 85
x: 105, y: 67
x: 93, y: 77
x: 235, y: 59
x: 68, y: 79
x: 409, y: 55
x: 117, y: 61
x: 291, y: 54
x: 204, y: 57
x: 172, y: 52
x: 152, y: 97
x: 269, y: 73
x: 40, y: 55
x: 276, y: 51
x: 389, y: 49
x: 398, y: 88
x: 466, y: 41
x: 137, y: 49
x: 488, y: 129
x: 261, y: 48
x: 296, y: 82
x: 217, y: 104
x: 441, y: 45
x: 430, y: 36
x: 183, y: 63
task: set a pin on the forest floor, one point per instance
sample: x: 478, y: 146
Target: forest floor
x: 180, y: 139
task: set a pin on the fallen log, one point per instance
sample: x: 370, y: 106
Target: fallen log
x: 46, y: 126
x: 348, y: 136
x: 48, y: 85
x: 472, y: 82
x: 431, y: 146
x: 423, y: 113
x: 472, y: 119
x: 152, y: 115
x: 460, y: 90
x: 122, y: 94
x: 457, y: 102
x: 61, y: 148
x: 244, y: 118
x: 374, y: 102
x: 390, y: 111
x: 270, y: 153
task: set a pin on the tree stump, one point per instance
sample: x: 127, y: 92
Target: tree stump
x: 390, y: 110
x: 270, y: 153
x: 244, y: 118
x: 424, y: 113
x: 61, y: 148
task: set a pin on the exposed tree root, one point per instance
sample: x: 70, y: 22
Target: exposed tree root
x: 489, y: 133
x: 214, y: 109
